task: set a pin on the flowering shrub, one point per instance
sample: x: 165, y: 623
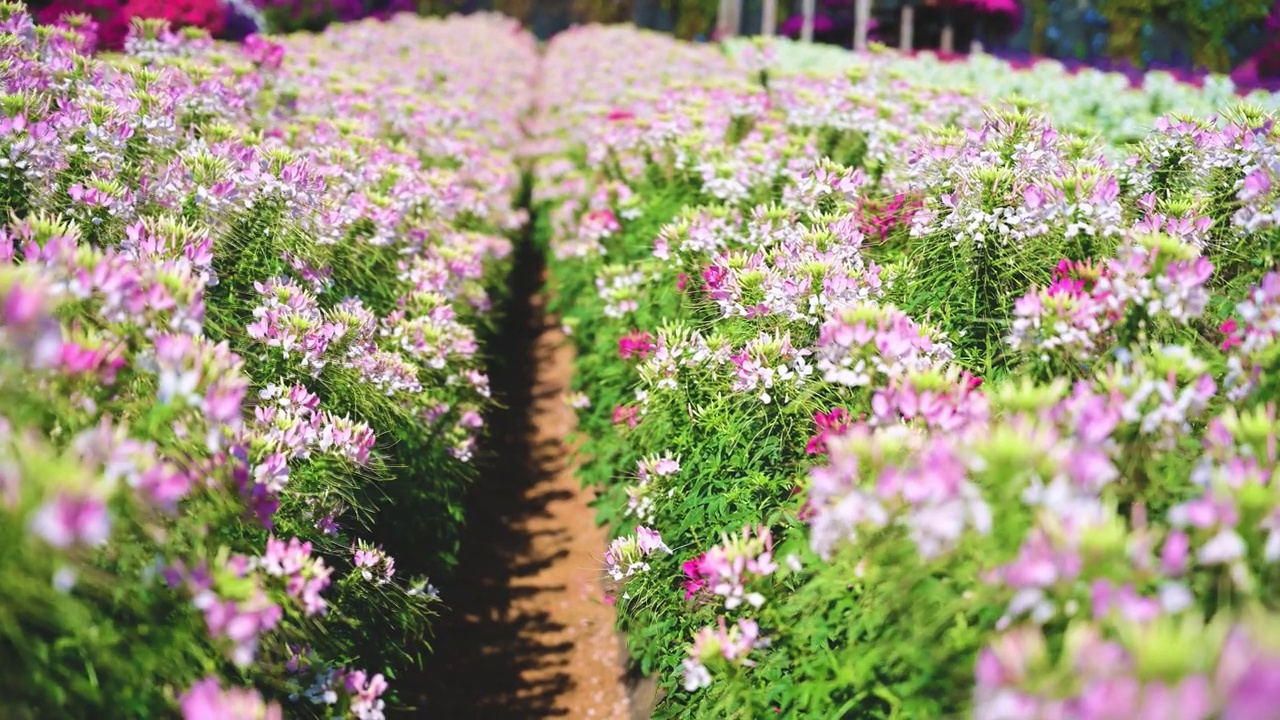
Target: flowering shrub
x: 942, y: 405
x: 230, y: 19
x: 111, y: 18
x: 243, y: 294
x: 1121, y: 107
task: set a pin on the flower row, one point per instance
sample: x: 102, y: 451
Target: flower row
x: 244, y: 292
x: 905, y: 402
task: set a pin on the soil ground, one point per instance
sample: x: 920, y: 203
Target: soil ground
x: 528, y: 634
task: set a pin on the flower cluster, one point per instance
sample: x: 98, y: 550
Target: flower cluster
x: 207, y: 700
x: 799, y: 279
x: 652, y: 474
x: 306, y: 577
x: 864, y: 344
x: 1220, y: 671
x: 1089, y: 311
x: 290, y: 320
x: 111, y: 20
x: 1251, y: 341
x: 626, y: 555
x: 732, y: 645
x: 726, y: 568
x: 373, y: 564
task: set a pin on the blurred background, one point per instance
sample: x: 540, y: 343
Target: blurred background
x: 1187, y: 37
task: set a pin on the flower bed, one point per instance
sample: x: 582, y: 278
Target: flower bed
x: 1122, y: 107
x: 106, y: 23
x: 903, y: 403
x: 243, y: 300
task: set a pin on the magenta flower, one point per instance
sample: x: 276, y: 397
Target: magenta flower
x: 264, y: 53
x: 829, y: 424
x: 26, y: 324
x: 697, y: 577
x: 22, y: 306
x: 68, y: 520
x: 637, y: 344
x: 628, y: 414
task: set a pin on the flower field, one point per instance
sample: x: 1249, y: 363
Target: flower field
x: 244, y: 295
x: 912, y: 399
x: 908, y: 389
x: 1085, y: 100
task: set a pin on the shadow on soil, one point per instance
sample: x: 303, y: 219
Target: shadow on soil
x: 482, y: 646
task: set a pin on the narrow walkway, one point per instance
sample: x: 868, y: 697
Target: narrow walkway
x: 529, y: 635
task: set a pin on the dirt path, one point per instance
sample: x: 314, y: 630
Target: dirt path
x: 567, y: 588
x: 529, y: 635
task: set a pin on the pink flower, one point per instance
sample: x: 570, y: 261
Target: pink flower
x: 366, y: 694
x: 1253, y: 695
x: 206, y: 700
x: 22, y: 306
x: 629, y: 414
x: 636, y: 344
x: 1175, y: 553
x: 67, y: 520
x: 1229, y: 330
x: 263, y: 52
x: 829, y: 424
x: 698, y: 577
x: 650, y: 540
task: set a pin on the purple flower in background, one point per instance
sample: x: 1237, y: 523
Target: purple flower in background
x: 792, y: 26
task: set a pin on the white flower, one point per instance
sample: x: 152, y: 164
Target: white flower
x: 696, y: 675
x: 1227, y: 546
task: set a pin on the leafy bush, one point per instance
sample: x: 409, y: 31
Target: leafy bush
x: 242, y: 296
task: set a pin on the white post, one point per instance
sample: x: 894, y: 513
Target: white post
x: 769, y: 18
x: 728, y: 19
x: 947, y: 43
x: 807, y: 8
x: 861, y: 18
x: 907, y: 26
